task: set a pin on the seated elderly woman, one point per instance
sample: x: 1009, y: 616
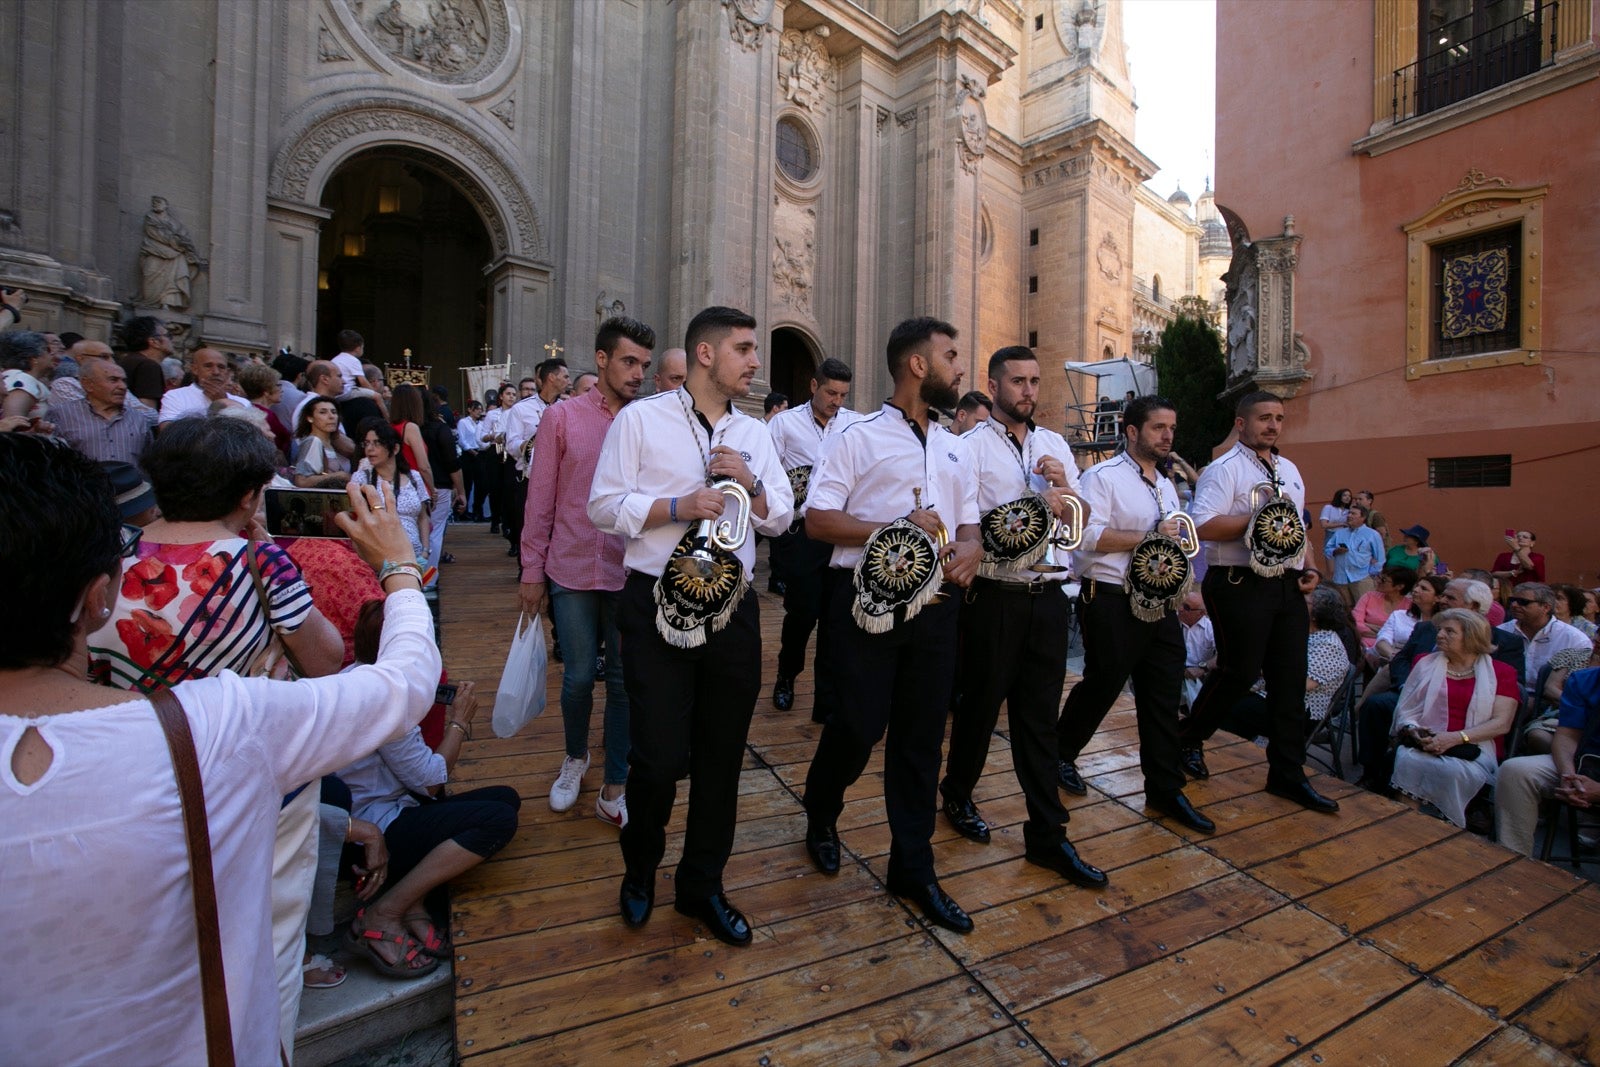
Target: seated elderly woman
x: 1453, y: 715
x: 94, y: 863
x: 263, y: 387
x: 429, y: 841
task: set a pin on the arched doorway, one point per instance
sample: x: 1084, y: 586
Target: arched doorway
x: 793, y: 364
x: 401, y: 261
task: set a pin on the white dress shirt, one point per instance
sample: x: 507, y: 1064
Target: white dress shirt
x: 492, y: 421
x: 1224, y: 489
x: 1199, y: 649
x: 1556, y: 636
x: 520, y: 425
x: 469, y: 434
x: 1004, y: 472
x: 801, y: 442
x: 190, y: 400
x: 870, y: 470
x: 1119, y: 498
x: 657, y: 447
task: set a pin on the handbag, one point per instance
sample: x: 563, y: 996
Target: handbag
x: 208, y: 934
x: 277, y: 660
x: 521, y: 696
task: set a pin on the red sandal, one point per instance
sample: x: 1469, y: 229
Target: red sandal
x: 432, y: 942
x: 413, y: 961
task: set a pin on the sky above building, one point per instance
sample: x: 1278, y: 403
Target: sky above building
x: 1172, y: 50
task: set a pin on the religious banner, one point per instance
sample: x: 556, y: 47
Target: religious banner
x: 1475, y: 294
x: 486, y: 377
x: 417, y: 374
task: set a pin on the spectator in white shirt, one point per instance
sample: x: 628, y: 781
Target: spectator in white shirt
x: 1533, y: 607
x: 1199, y: 643
x: 212, y: 378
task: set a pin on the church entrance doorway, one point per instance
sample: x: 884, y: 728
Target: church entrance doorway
x: 401, y: 261
x: 793, y: 364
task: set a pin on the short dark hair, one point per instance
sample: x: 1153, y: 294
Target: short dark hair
x: 773, y: 400
x: 618, y: 327
x: 546, y: 369
x: 19, y: 348
x: 349, y: 340
x: 68, y: 338
x: 1436, y: 582
x: 1365, y: 511
x: 50, y: 553
x: 834, y: 370
x: 441, y: 392
x: 714, y: 323
x: 524, y: 381
x: 201, y: 468
x: 1250, y: 401
x: 1140, y: 408
x: 910, y: 334
x: 974, y: 400
x: 136, y: 333
x: 474, y: 404
x: 1402, y: 578
x: 1009, y: 354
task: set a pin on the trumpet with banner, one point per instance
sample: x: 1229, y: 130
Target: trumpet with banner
x: 1275, y: 534
x: 899, y: 573
x: 1024, y: 534
x: 1159, y: 569
x: 703, y: 580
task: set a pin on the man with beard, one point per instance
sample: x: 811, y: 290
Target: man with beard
x: 693, y: 674
x: 1015, y: 627
x: 895, y: 464
x: 1261, y: 623
x: 798, y: 434
x: 575, y: 570
x: 1128, y: 498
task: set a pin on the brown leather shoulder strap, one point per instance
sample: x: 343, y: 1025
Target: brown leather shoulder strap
x: 208, y: 934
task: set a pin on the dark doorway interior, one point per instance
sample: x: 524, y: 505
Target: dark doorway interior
x: 793, y: 364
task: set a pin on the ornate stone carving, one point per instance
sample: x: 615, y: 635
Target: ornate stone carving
x: 450, y: 41
x: 794, y: 237
x: 506, y: 112
x: 434, y: 138
x: 1109, y: 257
x: 905, y: 118
x: 329, y: 48
x: 748, y: 21
x: 973, y: 138
x: 1243, y: 296
x: 607, y: 309
x: 1474, y: 180
x: 805, y: 70
x: 1080, y: 25
x: 1264, y: 350
x: 167, y: 260
x: 882, y: 119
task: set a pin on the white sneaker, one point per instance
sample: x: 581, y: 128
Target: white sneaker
x: 614, y: 812
x: 564, y: 793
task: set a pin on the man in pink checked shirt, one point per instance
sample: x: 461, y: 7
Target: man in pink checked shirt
x: 576, y: 570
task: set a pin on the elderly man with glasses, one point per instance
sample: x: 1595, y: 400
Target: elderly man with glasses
x: 1533, y: 618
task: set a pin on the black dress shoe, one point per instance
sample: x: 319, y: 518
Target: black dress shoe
x: 638, y: 898
x: 1194, y: 762
x: 1177, y: 807
x: 822, y: 845
x: 720, y: 917
x: 783, y: 693
x: 1067, y: 774
x: 963, y: 815
x: 936, y: 905
x: 1302, y: 794
x: 494, y: 528
x: 1063, y: 859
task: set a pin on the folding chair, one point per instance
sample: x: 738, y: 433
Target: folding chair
x: 1333, y: 727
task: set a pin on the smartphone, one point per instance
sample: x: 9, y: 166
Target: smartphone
x: 445, y: 694
x: 1438, y: 568
x: 1511, y: 535
x: 305, y: 512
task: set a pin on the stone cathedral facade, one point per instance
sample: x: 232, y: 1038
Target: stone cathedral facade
x: 473, y: 177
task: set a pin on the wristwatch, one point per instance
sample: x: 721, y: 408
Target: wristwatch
x: 756, y: 489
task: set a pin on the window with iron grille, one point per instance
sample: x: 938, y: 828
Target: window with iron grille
x: 1469, y: 472
x: 1477, y: 294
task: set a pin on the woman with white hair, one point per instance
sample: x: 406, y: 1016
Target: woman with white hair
x: 1454, y: 712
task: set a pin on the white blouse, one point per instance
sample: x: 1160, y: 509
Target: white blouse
x: 94, y: 867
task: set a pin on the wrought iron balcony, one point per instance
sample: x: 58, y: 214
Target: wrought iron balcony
x: 1464, y: 67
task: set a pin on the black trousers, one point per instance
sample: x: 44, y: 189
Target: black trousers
x: 1261, y: 628
x: 1116, y: 647
x: 804, y: 563
x: 516, y: 504
x: 492, y: 466
x: 690, y: 716
x: 1014, y: 652
x: 896, y: 683
x: 472, y: 483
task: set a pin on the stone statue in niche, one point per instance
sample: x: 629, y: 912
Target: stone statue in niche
x: 973, y: 138
x: 1081, y: 31
x: 607, y: 309
x: 804, y: 67
x: 440, y: 36
x: 1242, y: 315
x: 167, y: 259
x: 794, y: 239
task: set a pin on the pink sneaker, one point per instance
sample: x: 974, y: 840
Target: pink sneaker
x: 614, y: 812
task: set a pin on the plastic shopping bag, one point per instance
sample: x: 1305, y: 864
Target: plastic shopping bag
x: 520, y: 698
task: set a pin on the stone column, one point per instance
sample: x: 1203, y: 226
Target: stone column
x: 519, y: 312
x: 290, y: 288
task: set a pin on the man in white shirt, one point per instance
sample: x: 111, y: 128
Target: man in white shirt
x: 1128, y: 500
x: 1015, y: 626
x: 520, y: 426
x: 1533, y: 607
x: 798, y: 434
x: 469, y: 438
x: 1199, y: 646
x: 692, y: 676
x: 211, y: 381
x: 1261, y: 621
x: 895, y: 464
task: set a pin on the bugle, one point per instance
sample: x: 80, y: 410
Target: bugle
x: 1188, y: 536
x: 1064, y: 534
x: 721, y: 531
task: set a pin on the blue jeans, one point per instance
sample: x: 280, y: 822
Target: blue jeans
x: 584, y: 617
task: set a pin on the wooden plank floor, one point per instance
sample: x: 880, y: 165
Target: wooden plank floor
x: 1376, y: 936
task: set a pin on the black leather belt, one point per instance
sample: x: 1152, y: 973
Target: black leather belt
x: 1236, y: 573
x: 1093, y: 587
x: 1020, y: 588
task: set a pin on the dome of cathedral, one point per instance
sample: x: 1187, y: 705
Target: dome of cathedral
x: 1180, y: 197
x: 1214, y: 238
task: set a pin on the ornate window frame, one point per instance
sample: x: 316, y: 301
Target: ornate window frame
x: 1477, y: 204
x: 802, y: 188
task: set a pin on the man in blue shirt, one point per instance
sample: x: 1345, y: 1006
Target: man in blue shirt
x: 1570, y: 773
x: 1357, y: 553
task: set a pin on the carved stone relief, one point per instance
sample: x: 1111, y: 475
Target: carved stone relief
x: 168, y: 260
x: 794, y: 238
x: 1244, y: 285
x: 607, y: 309
x: 1109, y: 257
x: 1080, y: 24
x: 329, y: 48
x: 973, y: 138
x: 451, y: 41
x: 1264, y: 350
x: 805, y: 70
x: 506, y: 112
x: 748, y: 21
x: 1474, y: 180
